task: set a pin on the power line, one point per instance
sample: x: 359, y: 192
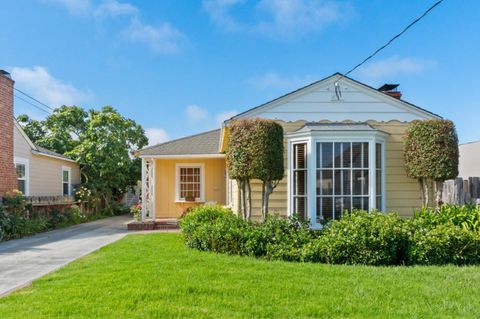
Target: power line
x: 337, y: 90
x: 28, y: 102
x: 31, y: 97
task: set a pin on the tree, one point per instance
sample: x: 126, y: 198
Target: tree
x: 267, y: 152
x: 102, y: 142
x: 431, y: 155
x: 239, y: 158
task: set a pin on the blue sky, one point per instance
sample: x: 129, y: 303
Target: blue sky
x: 180, y: 67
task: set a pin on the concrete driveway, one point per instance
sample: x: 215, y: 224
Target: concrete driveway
x: 24, y: 260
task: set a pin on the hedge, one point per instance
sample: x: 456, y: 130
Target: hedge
x: 449, y: 235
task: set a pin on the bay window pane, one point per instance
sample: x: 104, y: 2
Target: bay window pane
x: 378, y: 181
x: 379, y: 203
x: 365, y: 155
x: 347, y: 160
x: 357, y: 157
x: 378, y: 155
x: 300, y: 156
x: 338, y: 155
x: 326, y: 182
x: 346, y: 189
x: 300, y: 183
x: 338, y: 182
x: 300, y: 207
x: 326, y: 155
x: 327, y: 208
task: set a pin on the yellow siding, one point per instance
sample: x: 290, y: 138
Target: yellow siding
x: 165, y: 185
x: 402, y: 193
x: 45, y: 171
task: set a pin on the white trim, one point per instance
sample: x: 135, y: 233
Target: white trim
x: 69, y: 170
x: 185, y: 156
x: 255, y: 112
x: 53, y: 156
x: 144, y: 190
x: 177, y: 180
x: 311, y: 138
x: 152, y: 195
x: 26, y: 162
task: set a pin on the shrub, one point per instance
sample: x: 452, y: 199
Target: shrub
x: 446, y: 236
x: 136, y: 211
x: 444, y: 244
x: 467, y: 217
x: 362, y: 238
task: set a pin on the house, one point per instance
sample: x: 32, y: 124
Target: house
x: 32, y: 169
x: 469, y: 160
x: 343, y: 150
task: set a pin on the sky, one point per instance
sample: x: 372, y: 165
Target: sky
x: 182, y: 67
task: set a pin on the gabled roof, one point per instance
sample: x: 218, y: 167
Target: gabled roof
x: 206, y: 143
x: 38, y: 150
x: 339, y: 77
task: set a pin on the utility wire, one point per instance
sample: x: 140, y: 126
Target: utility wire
x: 28, y: 102
x: 31, y: 97
x: 337, y: 89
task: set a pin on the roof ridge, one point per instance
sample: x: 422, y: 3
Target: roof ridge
x: 178, y: 139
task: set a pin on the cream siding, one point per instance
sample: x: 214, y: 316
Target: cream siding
x: 45, y: 178
x: 402, y: 193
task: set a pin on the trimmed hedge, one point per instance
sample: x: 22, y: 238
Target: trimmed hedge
x: 449, y: 235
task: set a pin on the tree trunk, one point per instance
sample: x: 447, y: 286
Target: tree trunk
x: 249, y: 200
x: 421, y: 182
x: 264, y: 203
x: 243, y: 199
x: 438, y: 193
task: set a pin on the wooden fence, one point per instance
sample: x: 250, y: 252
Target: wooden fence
x: 460, y: 191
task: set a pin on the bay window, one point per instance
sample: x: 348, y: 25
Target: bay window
x: 336, y: 170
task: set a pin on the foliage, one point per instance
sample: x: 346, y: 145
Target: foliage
x: 15, y: 202
x: 239, y: 157
x: 136, y: 211
x: 132, y: 278
x: 431, y: 153
x: 87, y: 197
x: 362, y: 238
x: 358, y: 238
x: 255, y: 151
x: 466, y: 217
x: 101, y: 141
x: 268, y: 151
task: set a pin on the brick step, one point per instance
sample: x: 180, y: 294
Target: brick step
x: 166, y: 226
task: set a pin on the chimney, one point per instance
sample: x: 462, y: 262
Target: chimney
x: 8, y: 175
x: 391, y: 89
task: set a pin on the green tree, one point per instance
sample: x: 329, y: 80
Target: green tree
x: 239, y: 161
x: 267, y: 158
x: 102, y: 142
x: 431, y: 155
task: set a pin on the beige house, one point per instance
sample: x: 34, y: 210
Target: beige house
x: 41, y: 172
x: 343, y: 150
x: 469, y: 160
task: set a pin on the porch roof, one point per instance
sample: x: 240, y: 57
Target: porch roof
x: 206, y: 143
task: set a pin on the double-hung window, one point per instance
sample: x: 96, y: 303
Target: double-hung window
x: 22, y: 170
x: 66, y: 181
x: 190, y: 185
x: 300, y: 174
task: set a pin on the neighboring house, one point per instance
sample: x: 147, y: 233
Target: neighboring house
x: 32, y: 169
x: 41, y: 172
x: 343, y: 150
x: 469, y: 160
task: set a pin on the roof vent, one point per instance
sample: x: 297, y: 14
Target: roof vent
x: 391, y: 89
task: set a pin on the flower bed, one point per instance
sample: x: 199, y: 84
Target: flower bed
x: 449, y: 235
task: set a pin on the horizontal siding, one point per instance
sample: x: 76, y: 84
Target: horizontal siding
x: 45, y: 171
x: 402, y: 193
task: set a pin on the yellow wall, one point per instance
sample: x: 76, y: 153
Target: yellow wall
x: 165, y: 184
x: 402, y: 193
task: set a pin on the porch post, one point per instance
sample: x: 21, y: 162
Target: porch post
x: 152, y: 189
x: 144, y: 190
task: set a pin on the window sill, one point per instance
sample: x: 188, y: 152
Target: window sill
x: 180, y: 201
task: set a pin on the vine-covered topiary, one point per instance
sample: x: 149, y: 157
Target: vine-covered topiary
x: 431, y: 154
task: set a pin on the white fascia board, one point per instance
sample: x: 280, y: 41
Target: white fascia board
x: 185, y: 156
x: 356, y: 135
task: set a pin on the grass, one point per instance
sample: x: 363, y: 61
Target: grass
x: 155, y: 276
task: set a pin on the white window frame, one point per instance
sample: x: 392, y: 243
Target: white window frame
x: 69, y: 170
x: 312, y: 138
x: 26, y: 162
x: 202, y: 181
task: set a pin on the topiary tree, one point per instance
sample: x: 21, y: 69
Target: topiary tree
x: 239, y: 161
x: 268, y: 151
x: 431, y: 155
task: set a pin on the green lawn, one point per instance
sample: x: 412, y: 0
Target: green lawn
x: 155, y: 276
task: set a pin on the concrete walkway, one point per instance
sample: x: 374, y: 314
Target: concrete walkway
x: 24, y: 260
